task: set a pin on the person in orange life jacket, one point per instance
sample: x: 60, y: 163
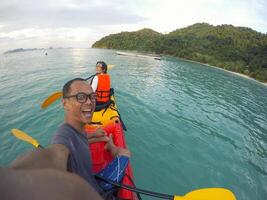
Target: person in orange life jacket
x: 101, y: 83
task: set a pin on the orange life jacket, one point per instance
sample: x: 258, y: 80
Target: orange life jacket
x: 103, y: 88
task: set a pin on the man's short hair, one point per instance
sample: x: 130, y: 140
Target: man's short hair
x: 66, y: 87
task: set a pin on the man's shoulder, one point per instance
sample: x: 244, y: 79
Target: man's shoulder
x: 63, y: 134
x: 64, y: 129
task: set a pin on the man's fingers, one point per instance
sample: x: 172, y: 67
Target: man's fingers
x: 106, y: 138
x: 100, y: 132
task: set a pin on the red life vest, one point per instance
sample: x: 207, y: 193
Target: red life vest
x: 103, y: 88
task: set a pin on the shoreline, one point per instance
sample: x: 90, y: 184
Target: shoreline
x: 208, y: 65
x: 237, y: 74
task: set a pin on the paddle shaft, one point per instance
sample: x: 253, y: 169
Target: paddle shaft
x: 90, y: 77
x: 137, y: 190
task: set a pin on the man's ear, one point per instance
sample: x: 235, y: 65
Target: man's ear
x: 64, y: 103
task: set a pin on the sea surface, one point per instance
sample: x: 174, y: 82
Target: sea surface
x: 190, y: 126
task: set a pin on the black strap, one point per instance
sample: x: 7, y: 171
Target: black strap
x: 91, y: 77
x: 138, y: 195
x: 103, y: 93
x: 96, y: 123
x: 100, y: 106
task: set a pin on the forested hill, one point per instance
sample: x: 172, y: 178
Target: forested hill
x: 145, y: 40
x: 238, y: 49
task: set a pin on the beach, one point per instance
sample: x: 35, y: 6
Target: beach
x: 238, y: 74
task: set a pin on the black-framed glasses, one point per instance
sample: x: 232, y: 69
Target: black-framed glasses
x: 82, y: 97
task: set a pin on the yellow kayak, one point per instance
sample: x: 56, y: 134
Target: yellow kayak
x: 107, y: 113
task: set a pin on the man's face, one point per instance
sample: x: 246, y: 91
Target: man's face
x: 79, y: 112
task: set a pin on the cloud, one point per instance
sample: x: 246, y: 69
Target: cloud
x: 74, y: 23
x: 44, y: 38
x: 18, y: 14
x: 173, y: 14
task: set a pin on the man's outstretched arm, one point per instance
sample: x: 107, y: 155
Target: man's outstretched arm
x: 53, y: 157
x: 41, y: 174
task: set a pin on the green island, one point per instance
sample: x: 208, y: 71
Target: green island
x: 237, y: 49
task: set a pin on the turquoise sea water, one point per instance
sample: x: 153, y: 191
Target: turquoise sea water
x: 189, y: 126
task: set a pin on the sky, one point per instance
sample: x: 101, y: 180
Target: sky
x: 80, y: 23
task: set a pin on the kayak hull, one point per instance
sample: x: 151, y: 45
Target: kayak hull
x: 109, y: 120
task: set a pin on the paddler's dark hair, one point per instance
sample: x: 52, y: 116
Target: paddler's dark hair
x: 103, y: 66
x: 66, y: 87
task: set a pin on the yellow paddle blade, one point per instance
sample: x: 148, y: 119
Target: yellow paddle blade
x: 110, y: 67
x: 208, y: 194
x: 24, y: 136
x: 51, y: 99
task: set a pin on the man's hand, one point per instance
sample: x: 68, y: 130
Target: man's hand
x: 116, y: 151
x: 98, y: 136
x: 98, y: 133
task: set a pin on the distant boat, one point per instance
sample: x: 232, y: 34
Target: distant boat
x: 137, y: 55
